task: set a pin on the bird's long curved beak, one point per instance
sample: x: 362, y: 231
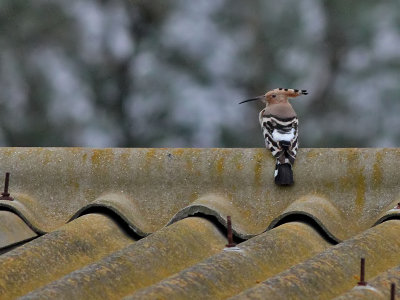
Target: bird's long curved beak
x: 252, y: 99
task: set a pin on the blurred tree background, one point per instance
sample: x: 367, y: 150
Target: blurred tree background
x: 169, y: 73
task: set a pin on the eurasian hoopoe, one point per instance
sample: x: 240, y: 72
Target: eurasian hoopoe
x: 279, y: 124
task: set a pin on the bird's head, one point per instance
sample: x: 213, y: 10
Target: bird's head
x: 277, y: 96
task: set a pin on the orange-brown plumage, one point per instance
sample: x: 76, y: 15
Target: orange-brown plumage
x: 279, y: 124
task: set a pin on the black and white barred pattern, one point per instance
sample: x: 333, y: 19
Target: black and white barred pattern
x: 280, y: 136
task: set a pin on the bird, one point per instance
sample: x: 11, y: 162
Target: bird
x: 279, y: 125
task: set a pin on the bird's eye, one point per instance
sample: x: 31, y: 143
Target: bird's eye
x: 273, y: 96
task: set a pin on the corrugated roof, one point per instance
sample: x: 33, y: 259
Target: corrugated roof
x: 378, y: 288
x: 13, y: 231
x: 143, y: 263
x: 332, y: 272
x: 58, y: 253
x: 231, y: 271
x: 149, y: 223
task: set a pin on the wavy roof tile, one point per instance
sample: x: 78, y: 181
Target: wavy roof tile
x: 378, y: 287
x: 135, y: 223
x: 231, y: 271
x: 332, y: 271
x: 13, y: 231
x: 143, y: 263
x: 58, y: 253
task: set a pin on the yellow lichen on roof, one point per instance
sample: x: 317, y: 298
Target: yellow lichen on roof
x: 85, y: 208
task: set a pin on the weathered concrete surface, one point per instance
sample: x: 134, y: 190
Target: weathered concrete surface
x: 345, y: 190
x: 47, y: 258
x: 378, y: 288
x: 13, y: 230
x: 143, y: 263
x: 335, y: 270
x: 234, y: 270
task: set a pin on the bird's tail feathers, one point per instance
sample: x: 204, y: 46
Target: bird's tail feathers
x: 284, y: 145
x: 283, y: 174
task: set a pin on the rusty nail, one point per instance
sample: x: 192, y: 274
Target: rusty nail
x: 392, y: 291
x: 230, y: 234
x: 362, y: 273
x: 6, y: 195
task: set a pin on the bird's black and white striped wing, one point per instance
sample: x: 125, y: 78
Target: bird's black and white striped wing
x: 278, y: 132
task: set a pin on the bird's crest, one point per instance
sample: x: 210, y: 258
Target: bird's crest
x: 277, y: 95
x: 287, y: 92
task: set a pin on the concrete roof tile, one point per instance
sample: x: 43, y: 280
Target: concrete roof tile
x: 149, y: 260
x: 131, y: 182
x: 90, y: 205
x: 13, y: 230
x: 333, y: 271
x: 58, y: 253
x: 231, y: 271
x: 378, y: 287
x: 351, y: 185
